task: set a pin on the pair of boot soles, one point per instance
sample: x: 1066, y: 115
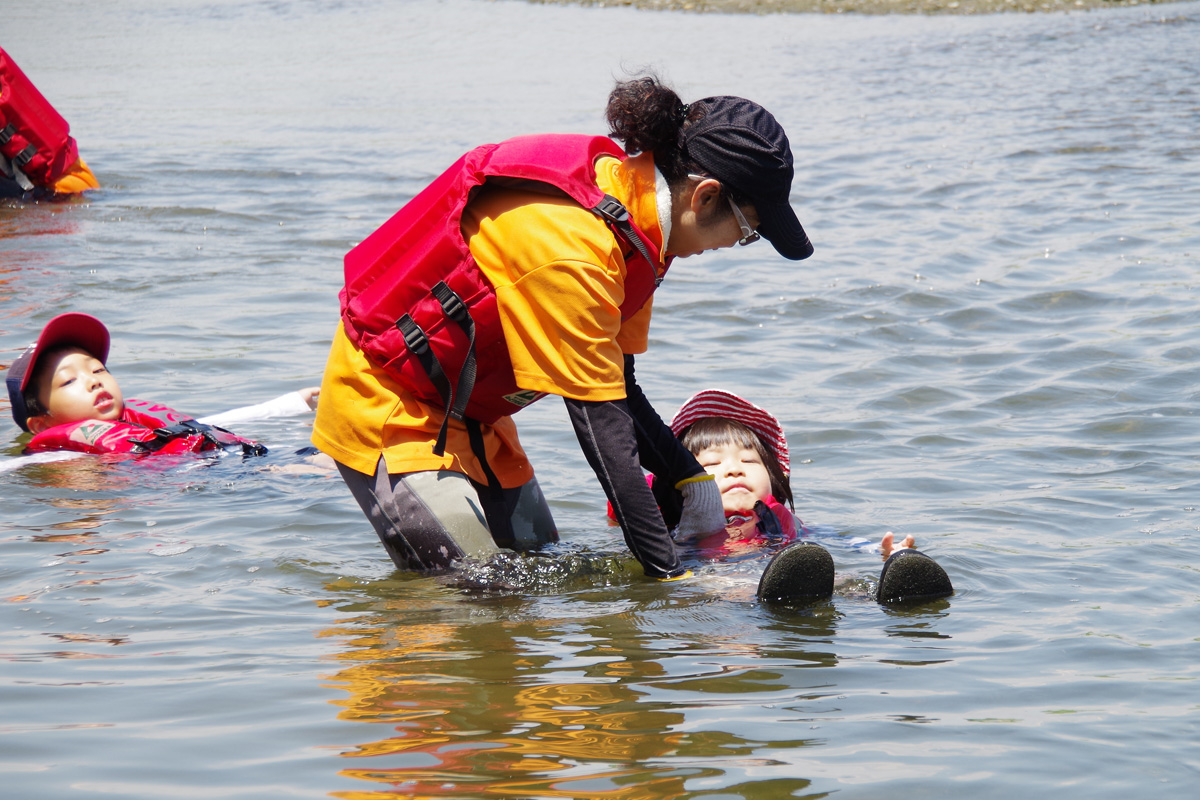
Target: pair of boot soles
x: 803, y: 572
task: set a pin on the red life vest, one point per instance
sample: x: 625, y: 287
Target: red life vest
x: 143, y: 428
x: 416, y: 303
x: 746, y: 528
x: 768, y: 525
x: 33, y: 136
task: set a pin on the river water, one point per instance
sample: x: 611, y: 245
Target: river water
x: 995, y: 349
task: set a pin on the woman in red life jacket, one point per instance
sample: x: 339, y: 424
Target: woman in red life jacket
x: 62, y: 392
x: 526, y: 269
x: 37, y: 152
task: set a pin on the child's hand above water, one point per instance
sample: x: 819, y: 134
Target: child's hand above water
x: 887, y: 545
x: 310, y: 395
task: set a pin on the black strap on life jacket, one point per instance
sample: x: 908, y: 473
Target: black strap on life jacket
x: 11, y: 167
x: 768, y: 523
x: 417, y: 342
x: 614, y: 212
x: 190, y: 427
x: 475, y: 435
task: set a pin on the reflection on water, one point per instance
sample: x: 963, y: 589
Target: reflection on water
x: 497, y: 700
x: 994, y: 348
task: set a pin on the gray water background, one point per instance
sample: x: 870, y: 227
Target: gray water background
x: 994, y: 349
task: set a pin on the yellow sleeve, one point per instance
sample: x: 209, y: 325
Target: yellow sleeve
x: 634, y: 337
x: 76, y: 179
x: 559, y: 280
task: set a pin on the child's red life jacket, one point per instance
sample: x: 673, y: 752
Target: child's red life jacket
x: 770, y: 522
x: 414, y: 276
x: 33, y: 136
x: 143, y: 428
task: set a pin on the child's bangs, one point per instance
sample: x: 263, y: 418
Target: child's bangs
x: 718, y: 432
x: 721, y: 431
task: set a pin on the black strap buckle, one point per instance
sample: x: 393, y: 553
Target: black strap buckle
x: 189, y: 427
x: 6, y: 134
x: 165, y: 435
x: 414, y: 338
x: 25, y: 156
x: 612, y: 210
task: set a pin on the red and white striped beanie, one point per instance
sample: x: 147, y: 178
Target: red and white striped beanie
x: 726, y: 405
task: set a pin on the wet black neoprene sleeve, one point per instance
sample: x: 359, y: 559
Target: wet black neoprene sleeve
x: 620, y: 438
x: 661, y: 453
x: 607, y: 435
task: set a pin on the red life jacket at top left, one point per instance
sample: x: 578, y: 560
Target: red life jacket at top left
x: 33, y: 136
x: 143, y: 428
x: 416, y: 303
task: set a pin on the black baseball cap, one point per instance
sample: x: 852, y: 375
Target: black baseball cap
x: 739, y: 143
x: 80, y: 330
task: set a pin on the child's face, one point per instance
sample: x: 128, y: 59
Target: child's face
x: 75, y: 387
x: 741, y: 475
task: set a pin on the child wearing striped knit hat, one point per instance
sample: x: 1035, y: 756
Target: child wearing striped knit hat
x: 744, y: 448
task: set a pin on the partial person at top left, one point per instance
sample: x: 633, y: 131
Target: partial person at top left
x: 38, y: 156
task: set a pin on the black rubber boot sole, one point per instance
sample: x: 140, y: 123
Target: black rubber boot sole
x: 799, y: 573
x: 910, y: 577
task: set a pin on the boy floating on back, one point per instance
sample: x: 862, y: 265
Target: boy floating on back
x: 62, y: 392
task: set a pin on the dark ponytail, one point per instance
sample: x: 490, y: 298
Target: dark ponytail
x: 647, y: 116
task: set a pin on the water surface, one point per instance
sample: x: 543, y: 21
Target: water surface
x: 994, y: 349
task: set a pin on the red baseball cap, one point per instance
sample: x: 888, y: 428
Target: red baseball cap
x: 80, y: 330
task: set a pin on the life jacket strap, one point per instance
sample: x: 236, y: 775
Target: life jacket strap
x: 8, y: 168
x: 457, y: 312
x: 189, y: 427
x: 417, y: 342
x: 614, y: 212
x: 768, y: 523
x: 12, y: 166
x: 475, y: 435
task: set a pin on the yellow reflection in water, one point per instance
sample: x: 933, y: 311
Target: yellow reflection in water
x: 486, y: 719
x: 620, y: 693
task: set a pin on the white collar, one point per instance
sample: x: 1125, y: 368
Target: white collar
x: 662, y: 201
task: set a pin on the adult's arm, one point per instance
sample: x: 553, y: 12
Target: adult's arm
x: 291, y: 404
x: 608, y: 436
x: 661, y: 453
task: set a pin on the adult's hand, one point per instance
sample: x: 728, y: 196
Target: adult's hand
x: 606, y: 435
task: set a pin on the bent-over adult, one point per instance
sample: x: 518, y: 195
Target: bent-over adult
x: 527, y: 269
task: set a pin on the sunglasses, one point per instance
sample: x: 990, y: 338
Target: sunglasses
x: 749, y: 235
